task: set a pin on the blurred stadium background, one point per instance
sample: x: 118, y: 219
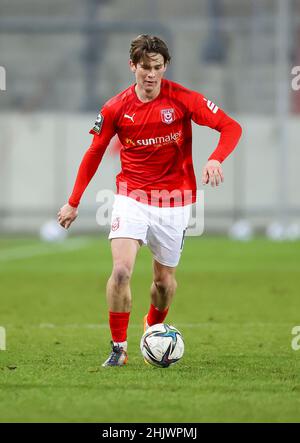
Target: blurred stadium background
x: 63, y: 59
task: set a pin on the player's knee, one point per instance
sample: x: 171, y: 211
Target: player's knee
x: 121, y: 275
x: 165, y: 284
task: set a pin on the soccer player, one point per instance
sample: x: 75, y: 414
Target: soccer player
x: 156, y: 186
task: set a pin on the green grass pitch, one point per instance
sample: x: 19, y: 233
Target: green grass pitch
x: 236, y: 305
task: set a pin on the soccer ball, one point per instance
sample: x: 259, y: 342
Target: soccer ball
x: 162, y: 345
x: 51, y: 231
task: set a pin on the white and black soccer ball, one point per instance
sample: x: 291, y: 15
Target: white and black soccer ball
x: 162, y: 345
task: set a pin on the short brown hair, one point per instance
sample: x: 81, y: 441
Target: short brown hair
x: 145, y: 44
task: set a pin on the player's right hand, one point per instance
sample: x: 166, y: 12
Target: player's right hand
x: 66, y: 215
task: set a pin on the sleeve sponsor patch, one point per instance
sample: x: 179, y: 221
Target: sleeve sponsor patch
x: 98, y: 124
x: 214, y: 108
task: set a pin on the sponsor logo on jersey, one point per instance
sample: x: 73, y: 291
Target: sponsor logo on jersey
x: 130, y: 142
x: 98, y: 124
x: 214, y: 108
x: 167, y: 115
x: 162, y: 140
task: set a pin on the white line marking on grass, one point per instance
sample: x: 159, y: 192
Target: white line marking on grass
x: 23, y: 252
x: 2, y: 339
x: 102, y: 325
x: 105, y: 325
x: 139, y: 325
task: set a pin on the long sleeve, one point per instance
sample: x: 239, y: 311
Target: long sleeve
x: 103, y: 131
x: 231, y: 132
x: 206, y: 113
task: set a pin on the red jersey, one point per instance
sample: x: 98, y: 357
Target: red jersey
x: 156, y: 139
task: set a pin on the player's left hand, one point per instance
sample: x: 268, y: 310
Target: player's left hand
x: 212, y: 173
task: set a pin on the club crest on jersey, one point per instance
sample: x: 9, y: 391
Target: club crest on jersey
x: 167, y: 115
x: 115, y: 224
x: 98, y: 124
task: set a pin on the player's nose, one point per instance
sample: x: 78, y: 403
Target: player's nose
x: 151, y: 73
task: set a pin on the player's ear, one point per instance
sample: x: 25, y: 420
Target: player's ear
x: 166, y: 64
x: 132, y: 66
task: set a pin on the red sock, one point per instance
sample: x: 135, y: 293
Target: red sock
x: 118, y: 322
x: 155, y: 316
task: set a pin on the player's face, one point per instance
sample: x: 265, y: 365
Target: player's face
x: 149, y: 73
